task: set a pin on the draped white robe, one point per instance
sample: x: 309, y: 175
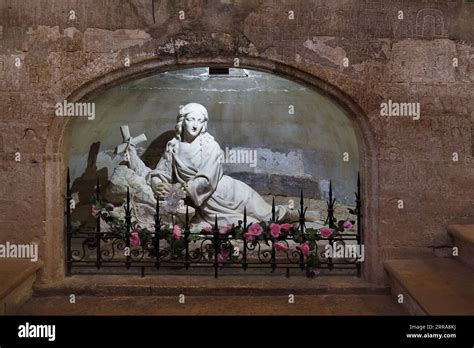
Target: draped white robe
x: 198, y: 165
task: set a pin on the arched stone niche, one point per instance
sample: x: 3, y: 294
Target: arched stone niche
x: 60, y: 136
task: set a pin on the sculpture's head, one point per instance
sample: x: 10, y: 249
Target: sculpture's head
x: 192, y: 121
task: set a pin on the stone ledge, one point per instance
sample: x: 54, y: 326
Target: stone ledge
x: 280, y: 184
x: 463, y: 239
x: 14, y: 272
x: 16, y: 285
x: 172, y: 285
x: 409, y: 304
x: 437, y: 286
x: 214, y: 305
x: 463, y: 232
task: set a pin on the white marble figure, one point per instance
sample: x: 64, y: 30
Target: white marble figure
x: 193, y: 159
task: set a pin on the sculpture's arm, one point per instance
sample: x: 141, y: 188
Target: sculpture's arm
x: 205, y: 182
x: 136, y: 164
x: 162, y: 174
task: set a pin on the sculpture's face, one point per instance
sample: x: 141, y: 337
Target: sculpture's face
x: 193, y: 124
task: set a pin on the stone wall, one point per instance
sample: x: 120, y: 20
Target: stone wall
x: 47, y: 55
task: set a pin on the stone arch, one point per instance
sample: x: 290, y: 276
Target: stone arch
x: 58, y: 143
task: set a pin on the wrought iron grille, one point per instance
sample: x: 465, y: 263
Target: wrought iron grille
x: 97, y: 249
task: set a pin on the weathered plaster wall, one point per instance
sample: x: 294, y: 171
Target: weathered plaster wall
x: 406, y: 60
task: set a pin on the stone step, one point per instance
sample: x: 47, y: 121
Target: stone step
x: 232, y: 285
x: 16, y: 283
x: 214, y: 305
x: 463, y: 239
x: 438, y: 286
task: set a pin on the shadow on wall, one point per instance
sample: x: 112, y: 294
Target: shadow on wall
x: 83, y: 188
x: 153, y: 153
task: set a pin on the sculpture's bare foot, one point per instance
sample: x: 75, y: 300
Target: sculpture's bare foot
x: 310, y: 216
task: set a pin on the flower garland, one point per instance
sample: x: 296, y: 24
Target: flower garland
x: 117, y: 228
x: 277, y: 234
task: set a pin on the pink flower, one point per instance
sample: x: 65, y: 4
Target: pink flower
x: 347, y: 224
x: 226, y: 229
x: 285, y: 227
x: 326, y: 232
x: 317, y: 271
x: 249, y: 237
x: 255, y: 230
x: 95, y: 211
x: 207, y: 229
x: 275, y: 230
x: 176, y: 232
x: 280, y: 246
x: 223, y: 255
x: 135, y: 238
x: 304, y: 248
